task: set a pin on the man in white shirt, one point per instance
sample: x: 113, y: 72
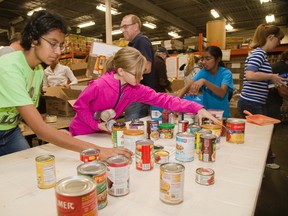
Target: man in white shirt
x: 14, y: 44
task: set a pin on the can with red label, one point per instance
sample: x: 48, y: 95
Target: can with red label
x: 165, y: 116
x: 76, y: 195
x: 208, y: 148
x: 198, y: 139
x: 89, y: 155
x: 144, y: 155
x: 97, y: 170
x: 205, y: 176
x: 118, y: 175
x: 236, y: 130
x: 182, y: 126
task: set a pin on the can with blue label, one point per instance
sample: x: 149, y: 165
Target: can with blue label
x: 185, y: 146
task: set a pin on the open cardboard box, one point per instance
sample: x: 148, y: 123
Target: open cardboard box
x: 59, y: 100
x: 80, y: 71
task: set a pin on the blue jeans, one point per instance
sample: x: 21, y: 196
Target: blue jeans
x: 136, y: 111
x: 252, y: 107
x: 12, y: 141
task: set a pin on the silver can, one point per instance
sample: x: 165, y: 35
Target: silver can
x: 185, y: 147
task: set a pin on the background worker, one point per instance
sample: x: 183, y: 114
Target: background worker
x: 14, y: 44
x: 131, y: 29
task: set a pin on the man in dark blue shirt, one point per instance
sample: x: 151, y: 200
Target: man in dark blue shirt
x: 131, y: 26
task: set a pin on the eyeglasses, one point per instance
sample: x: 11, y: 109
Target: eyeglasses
x: 133, y: 74
x: 126, y: 26
x: 55, y: 45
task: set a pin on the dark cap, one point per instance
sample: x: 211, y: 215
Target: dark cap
x: 15, y: 37
x: 163, y: 50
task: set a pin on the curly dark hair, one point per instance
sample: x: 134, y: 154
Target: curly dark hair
x: 41, y: 23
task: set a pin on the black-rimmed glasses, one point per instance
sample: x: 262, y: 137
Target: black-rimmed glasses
x: 133, y: 74
x: 126, y: 26
x: 55, y: 45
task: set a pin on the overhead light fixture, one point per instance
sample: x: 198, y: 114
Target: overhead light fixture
x: 214, y: 13
x: 265, y: 1
x: 156, y: 42
x: 174, y: 34
x: 102, y: 7
x: 86, y: 24
x: 270, y: 18
x: 34, y: 10
x: 115, y: 32
x: 228, y: 27
x: 149, y: 25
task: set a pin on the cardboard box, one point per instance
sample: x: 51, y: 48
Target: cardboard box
x: 177, y: 85
x: 80, y: 71
x: 59, y: 100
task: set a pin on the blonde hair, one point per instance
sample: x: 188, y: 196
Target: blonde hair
x: 190, y: 62
x: 262, y: 32
x: 129, y: 59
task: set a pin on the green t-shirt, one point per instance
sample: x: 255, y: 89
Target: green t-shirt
x: 19, y: 86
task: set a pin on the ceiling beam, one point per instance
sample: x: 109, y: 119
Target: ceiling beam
x: 160, y: 13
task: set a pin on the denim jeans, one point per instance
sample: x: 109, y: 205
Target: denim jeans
x: 136, y: 111
x: 12, y: 141
x: 252, y: 107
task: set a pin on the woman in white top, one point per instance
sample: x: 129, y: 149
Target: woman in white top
x: 57, y: 75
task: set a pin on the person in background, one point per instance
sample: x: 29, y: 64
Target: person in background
x: 21, y: 76
x: 119, y: 87
x: 257, y: 73
x: 277, y: 94
x: 14, y: 44
x: 131, y: 29
x: 58, y: 75
x: 214, y: 80
x: 192, y: 67
x: 161, y: 71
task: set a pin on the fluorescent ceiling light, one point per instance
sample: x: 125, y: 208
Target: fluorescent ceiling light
x: 270, y: 18
x: 115, y: 32
x: 214, y: 13
x: 265, y: 1
x: 228, y: 27
x: 174, y: 34
x: 83, y: 25
x: 102, y: 7
x: 149, y: 25
x: 34, y: 10
x: 156, y: 42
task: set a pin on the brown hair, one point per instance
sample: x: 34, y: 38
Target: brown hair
x: 262, y: 32
x: 128, y: 58
x: 284, y: 56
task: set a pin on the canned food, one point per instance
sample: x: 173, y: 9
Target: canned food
x: 165, y: 116
x: 171, y: 183
x: 166, y: 130
x: 205, y: 176
x: 118, y: 175
x: 144, y: 155
x: 185, y: 147
x: 118, y: 134
x: 182, y: 126
x: 208, y: 148
x: 216, y: 130
x: 45, y: 168
x: 89, y: 155
x: 76, y: 195
x: 98, y: 171
x: 236, y: 130
x: 158, y: 147
x: 152, y: 130
x: 192, y: 128
x: 190, y: 117
x: 130, y: 138
x: 161, y: 156
x: 198, y: 139
x: 137, y: 124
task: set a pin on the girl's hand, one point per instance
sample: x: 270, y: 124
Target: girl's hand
x: 103, y: 126
x: 105, y: 153
x: 277, y: 80
x: 203, y: 113
x: 195, y: 87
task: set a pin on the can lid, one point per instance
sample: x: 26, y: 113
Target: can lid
x: 172, y: 167
x: 185, y: 134
x: 133, y: 132
x: 117, y: 160
x: 208, y: 136
x: 211, y: 126
x: 94, y: 167
x: 166, y: 126
x: 90, y: 151
x: 137, y: 122
x: 119, y: 124
x: 144, y: 142
x: 44, y: 158
x: 75, y: 186
x: 161, y: 153
x: 205, y: 171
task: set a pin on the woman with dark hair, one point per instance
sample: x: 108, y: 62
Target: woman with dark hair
x: 214, y: 80
x: 21, y: 75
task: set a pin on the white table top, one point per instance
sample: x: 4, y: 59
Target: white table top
x: 238, y: 176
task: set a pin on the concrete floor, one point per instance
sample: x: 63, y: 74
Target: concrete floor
x: 273, y: 196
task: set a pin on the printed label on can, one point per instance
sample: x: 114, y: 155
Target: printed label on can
x: 205, y: 176
x: 236, y: 131
x: 161, y: 156
x: 118, y: 175
x: 144, y: 155
x: 45, y: 168
x: 185, y: 147
x: 89, y: 155
x: 118, y: 138
x: 152, y: 130
x: 171, y: 183
x: 208, y: 148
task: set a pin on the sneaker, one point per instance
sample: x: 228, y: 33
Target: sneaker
x: 273, y: 166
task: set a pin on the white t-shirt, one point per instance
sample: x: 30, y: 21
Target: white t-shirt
x: 59, y: 76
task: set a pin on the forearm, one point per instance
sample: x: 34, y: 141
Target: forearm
x: 258, y: 76
x: 219, y: 91
x: 184, y: 90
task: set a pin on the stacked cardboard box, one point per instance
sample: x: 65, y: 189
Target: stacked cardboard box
x: 172, y: 44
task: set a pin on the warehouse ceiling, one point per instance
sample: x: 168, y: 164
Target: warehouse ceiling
x: 186, y: 17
